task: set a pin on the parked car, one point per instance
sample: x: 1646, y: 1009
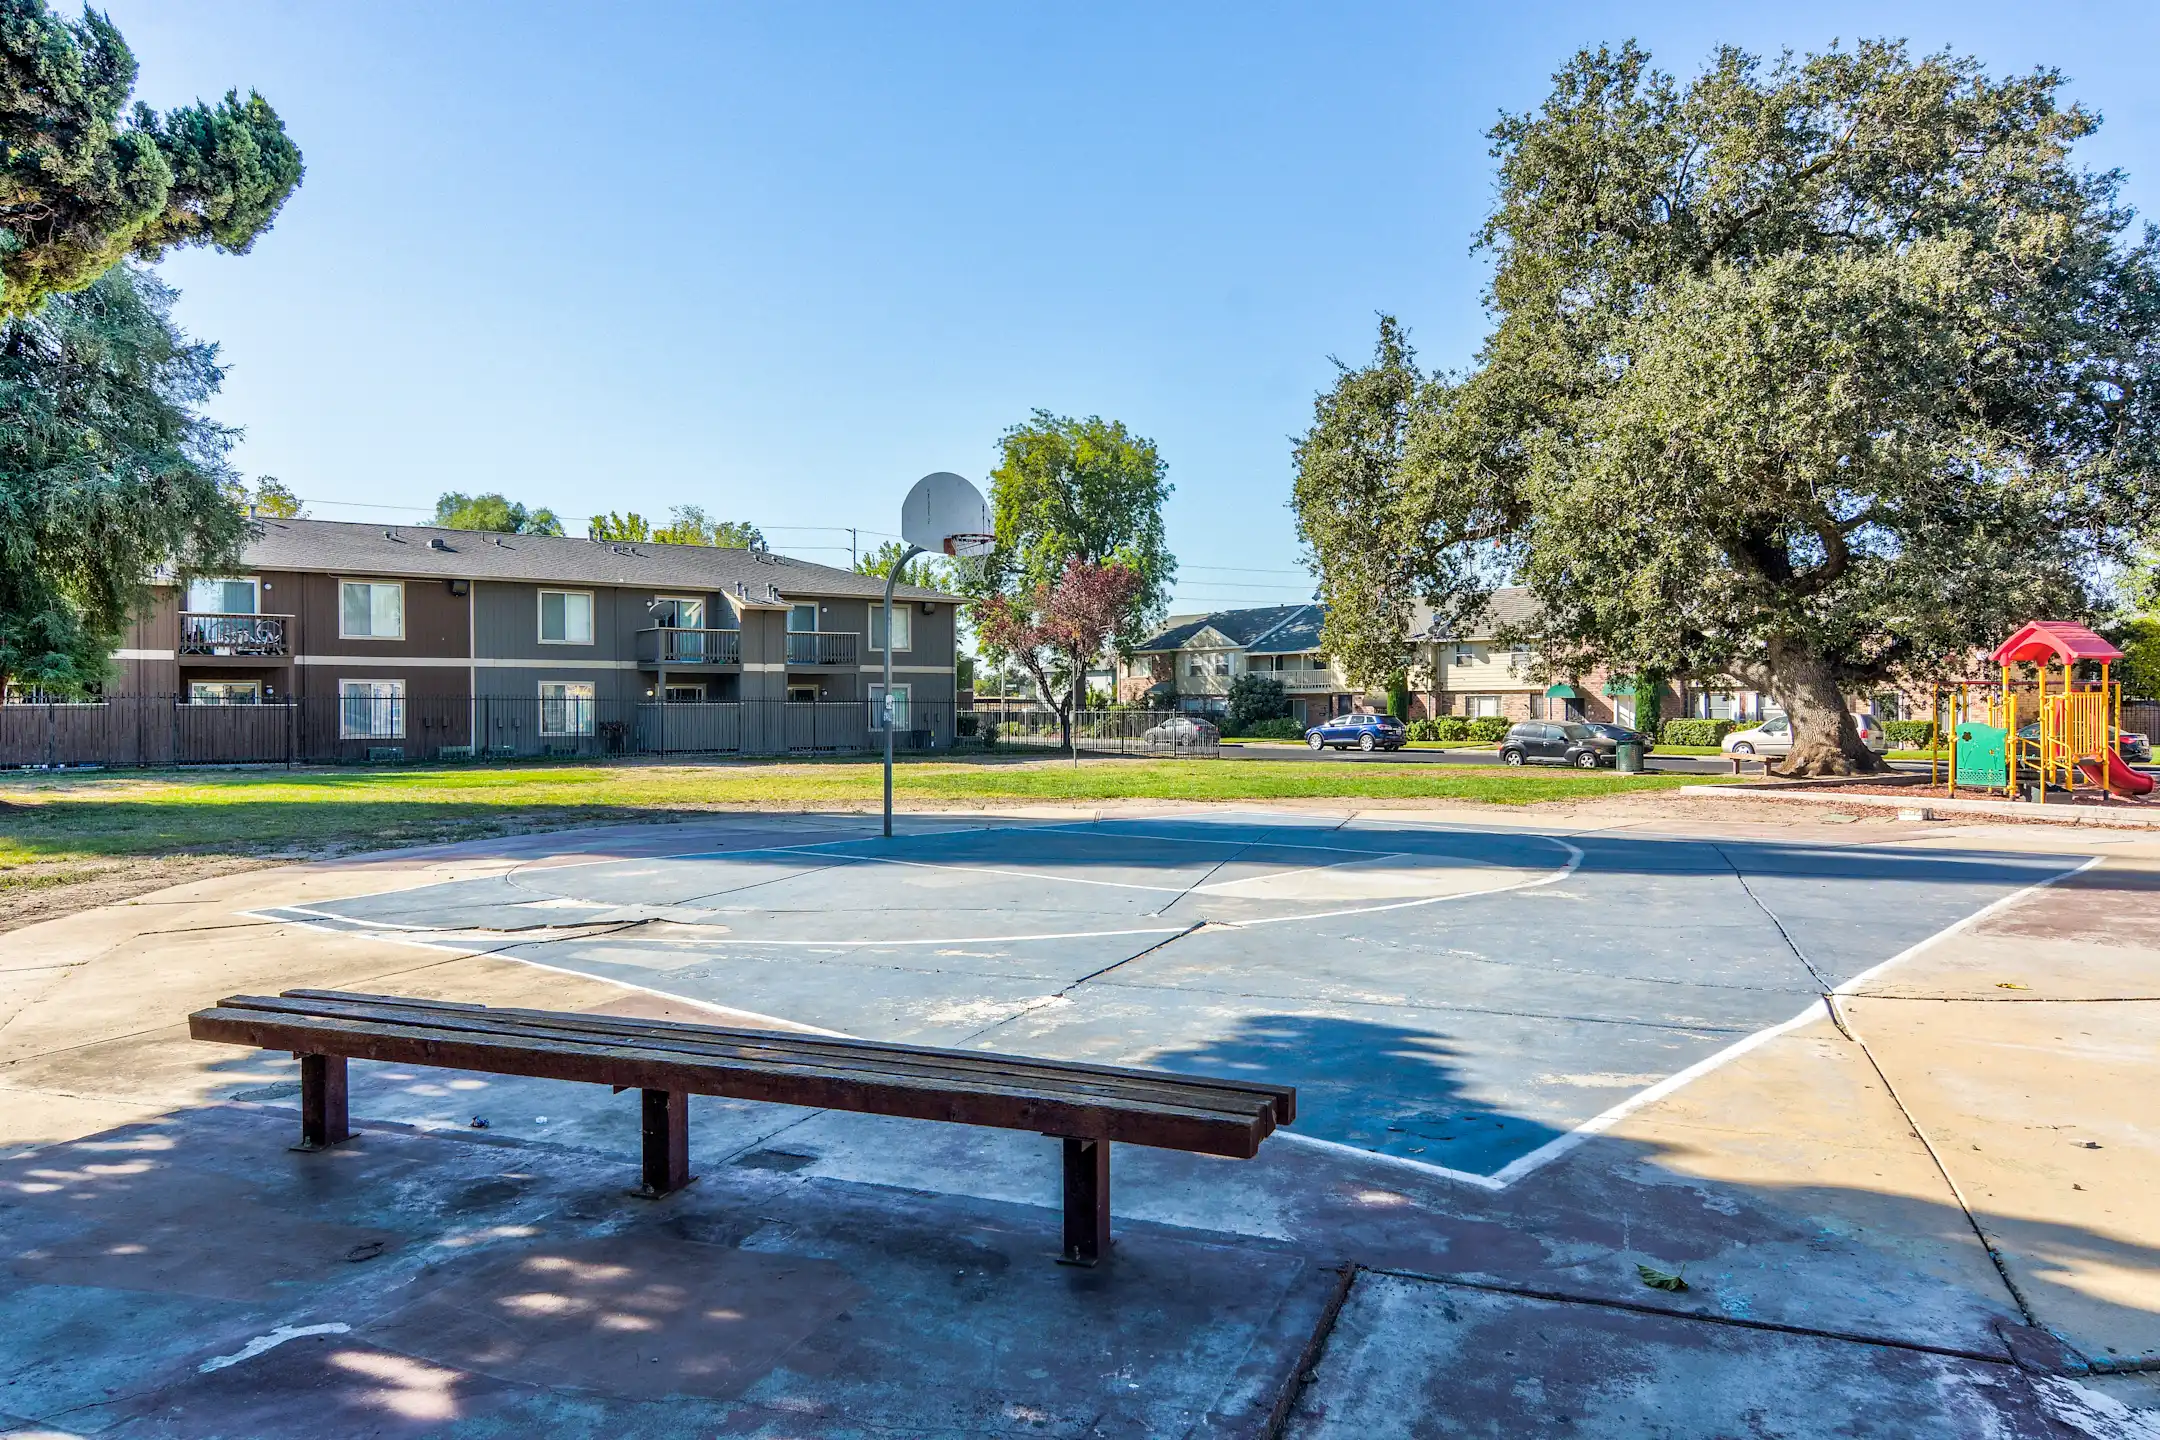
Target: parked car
x: 1367, y: 732
x: 2136, y: 749
x: 1556, y: 742
x: 1619, y: 734
x: 1774, y: 737
x: 1181, y: 732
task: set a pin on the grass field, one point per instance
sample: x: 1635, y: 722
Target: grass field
x: 56, y: 818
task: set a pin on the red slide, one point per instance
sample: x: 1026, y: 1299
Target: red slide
x: 2120, y: 777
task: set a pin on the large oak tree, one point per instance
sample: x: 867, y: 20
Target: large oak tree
x: 1810, y: 372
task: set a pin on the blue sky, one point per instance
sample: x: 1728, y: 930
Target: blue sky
x: 781, y: 260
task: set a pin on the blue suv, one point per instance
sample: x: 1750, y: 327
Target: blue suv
x: 1367, y: 732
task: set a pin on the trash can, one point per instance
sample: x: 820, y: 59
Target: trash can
x: 1628, y: 759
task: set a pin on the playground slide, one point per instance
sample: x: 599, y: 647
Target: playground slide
x: 2120, y: 777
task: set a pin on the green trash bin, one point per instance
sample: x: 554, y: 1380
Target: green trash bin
x: 1628, y: 758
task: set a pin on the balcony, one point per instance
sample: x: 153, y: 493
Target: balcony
x: 260, y: 637
x: 820, y: 647
x: 673, y: 647
x: 1299, y: 682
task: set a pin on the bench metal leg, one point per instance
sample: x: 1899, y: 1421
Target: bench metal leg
x: 1087, y: 1201
x: 667, y: 1142
x: 324, y: 1119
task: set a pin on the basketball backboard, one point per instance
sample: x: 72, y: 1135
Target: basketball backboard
x: 946, y: 515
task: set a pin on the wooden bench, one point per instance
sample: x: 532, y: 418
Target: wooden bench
x: 1086, y: 1106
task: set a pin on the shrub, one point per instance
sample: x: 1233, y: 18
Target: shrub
x: 1489, y: 728
x: 1908, y: 734
x: 964, y: 724
x: 1280, y: 727
x: 1424, y: 730
x: 1254, y: 698
x: 1451, y: 729
x: 1695, y: 732
x: 987, y: 732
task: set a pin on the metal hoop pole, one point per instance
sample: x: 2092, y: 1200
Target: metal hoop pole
x: 885, y: 703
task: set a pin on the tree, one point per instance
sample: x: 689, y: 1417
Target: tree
x: 492, y: 512
x: 108, y: 469
x: 923, y: 570
x: 1812, y: 373
x: 84, y: 186
x: 692, y: 526
x: 619, y: 528
x: 2139, y: 670
x: 1086, y: 491
x: 1056, y: 628
x: 1254, y: 697
x: 271, y: 498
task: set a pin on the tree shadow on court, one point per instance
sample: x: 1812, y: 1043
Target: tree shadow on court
x: 1380, y: 1087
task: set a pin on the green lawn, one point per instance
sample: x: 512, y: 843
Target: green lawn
x: 53, y: 818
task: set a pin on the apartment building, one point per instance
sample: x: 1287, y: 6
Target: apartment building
x: 1191, y: 662
x: 413, y: 629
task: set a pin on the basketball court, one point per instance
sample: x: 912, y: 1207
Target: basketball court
x: 1469, y: 1000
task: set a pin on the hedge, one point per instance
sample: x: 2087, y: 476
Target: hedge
x: 1909, y: 734
x: 1489, y: 728
x: 1281, y: 727
x: 1695, y: 732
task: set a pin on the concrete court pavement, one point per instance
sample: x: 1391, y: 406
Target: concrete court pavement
x: 170, y: 1269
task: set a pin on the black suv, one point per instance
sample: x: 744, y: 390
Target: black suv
x: 1555, y: 742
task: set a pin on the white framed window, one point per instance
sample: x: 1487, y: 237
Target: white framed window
x: 678, y: 612
x: 1465, y: 653
x: 903, y: 638
x: 1484, y: 705
x: 224, y: 692
x: 371, y: 610
x: 228, y: 595
x: 807, y: 695
x: 566, y: 707
x: 566, y: 617
x: 1192, y: 668
x: 899, y: 709
x: 371, y: 709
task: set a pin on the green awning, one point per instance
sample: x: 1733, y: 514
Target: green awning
x: 1620, y: 685
x: 1564, y: 691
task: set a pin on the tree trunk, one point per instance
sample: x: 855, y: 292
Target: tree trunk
x: 1825, y: 739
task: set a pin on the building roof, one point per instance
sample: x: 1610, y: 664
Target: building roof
x: 2045, y: 640
x: 1271, y: 629
x: 1508, y: 605
x: 348, y: 548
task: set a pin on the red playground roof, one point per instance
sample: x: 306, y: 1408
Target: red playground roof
x: 2045, y: 640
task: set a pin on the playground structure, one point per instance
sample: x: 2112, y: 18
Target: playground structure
x: 2076, y: 723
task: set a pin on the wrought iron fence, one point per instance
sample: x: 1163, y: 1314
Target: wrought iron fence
x: 1165, y: 733
x: 387, y: 727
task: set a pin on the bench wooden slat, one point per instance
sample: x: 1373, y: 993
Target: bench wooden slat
x: 1010, y: 1107
x: 1282, y: 1097
x: 974, y: 1072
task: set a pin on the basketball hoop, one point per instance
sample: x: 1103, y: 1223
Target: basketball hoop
x: 945, y: 515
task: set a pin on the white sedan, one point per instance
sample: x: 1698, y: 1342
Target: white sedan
x: 1774, y: 737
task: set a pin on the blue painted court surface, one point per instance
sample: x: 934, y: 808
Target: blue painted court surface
x: 1454, y: 996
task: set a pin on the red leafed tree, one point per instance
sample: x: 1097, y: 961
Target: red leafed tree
x: 1055, y: 630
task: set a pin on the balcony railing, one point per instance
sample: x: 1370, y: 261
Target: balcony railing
x: 820, y: 647
x: 667, y: 646
x: 205, y: 633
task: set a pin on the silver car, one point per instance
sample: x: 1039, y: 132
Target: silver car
x: 1774, y: 737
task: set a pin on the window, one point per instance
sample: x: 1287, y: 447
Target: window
x: 671, y: 612
x: 1319, y: 662
x: 1465, y: 654
x: 222, y: 597
x: 685, y: 694
x: 565, y: 617
x: 371, y: 610
x: 902, y: 640
x: 371, y: 709
x: 566, y: 707
x: 1484, y: 705
x: 802, y: 619
x: 1192, y: 667
x: 803, y: 694
x: 224, y: 692
x: 899, y: 709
